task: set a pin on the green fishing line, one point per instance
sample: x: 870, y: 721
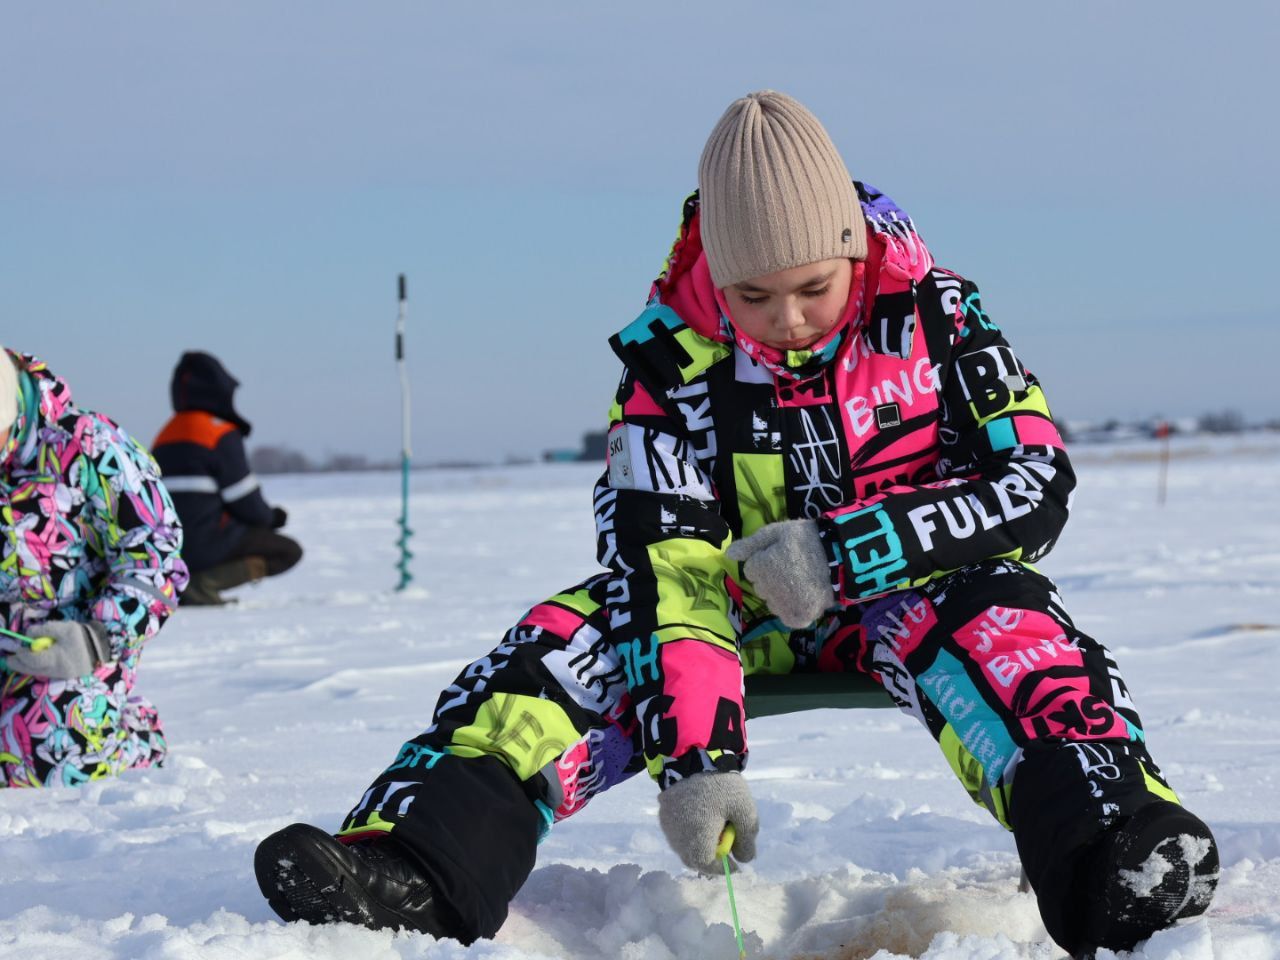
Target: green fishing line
x: 726, y: 844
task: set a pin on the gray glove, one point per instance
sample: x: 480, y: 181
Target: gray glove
x: 787, y: 564
x: 77, y: 649
x: 693, y: 814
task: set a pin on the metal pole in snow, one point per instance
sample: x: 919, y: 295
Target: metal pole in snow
x: 1162, y: 488
x: 405, y: 453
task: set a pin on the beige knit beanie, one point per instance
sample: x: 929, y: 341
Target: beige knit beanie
x: 8, y: 391
x: 774, y: 192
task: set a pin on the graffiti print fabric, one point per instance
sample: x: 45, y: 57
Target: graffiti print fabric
x: 985, y: 658
x: 89, y: 534
x: 926, y: 453
x: 920, y: 445
x: 525, y: 736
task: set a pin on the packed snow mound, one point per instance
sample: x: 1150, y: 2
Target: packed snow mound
x: 850, y: 914
x: 283, y: 707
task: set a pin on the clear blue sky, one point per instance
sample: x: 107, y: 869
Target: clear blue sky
x: 248, y: 177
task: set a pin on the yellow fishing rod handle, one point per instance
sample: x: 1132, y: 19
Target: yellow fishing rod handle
x: 31, y: 643
x: 727, y: 836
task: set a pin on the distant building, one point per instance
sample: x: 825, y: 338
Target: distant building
x: 560, y: 456
x: 594, y: 444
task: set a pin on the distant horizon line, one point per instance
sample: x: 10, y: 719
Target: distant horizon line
x: 1115, y: 432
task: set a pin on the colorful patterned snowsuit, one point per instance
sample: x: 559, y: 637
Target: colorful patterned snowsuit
x: 927, y: 454
x: 87, y: 532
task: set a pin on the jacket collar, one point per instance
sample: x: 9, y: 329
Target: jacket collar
x: 896, y: 258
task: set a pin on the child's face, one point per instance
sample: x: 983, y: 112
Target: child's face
x: 793, y: 308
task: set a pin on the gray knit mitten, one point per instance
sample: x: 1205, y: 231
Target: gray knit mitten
x: 693, y: 813
x: 787, y: 565
x: 78, y: 648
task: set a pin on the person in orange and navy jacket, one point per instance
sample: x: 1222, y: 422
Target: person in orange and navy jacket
x: 232, y: 534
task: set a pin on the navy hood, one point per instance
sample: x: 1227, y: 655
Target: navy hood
x: 201, y: 382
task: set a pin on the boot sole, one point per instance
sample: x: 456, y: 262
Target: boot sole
x: 1175, y: 873
x: 1165, y: 870
x: 303, y: 880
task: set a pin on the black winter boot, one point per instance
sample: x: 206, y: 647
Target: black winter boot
x: 306, y: 874
x: 1159, y: 866
x: 199, y: 592
x: 235, y: 573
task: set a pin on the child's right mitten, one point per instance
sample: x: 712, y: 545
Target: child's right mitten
x: 693, y: 813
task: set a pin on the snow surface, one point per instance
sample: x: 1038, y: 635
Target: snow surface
x: 285, y: 706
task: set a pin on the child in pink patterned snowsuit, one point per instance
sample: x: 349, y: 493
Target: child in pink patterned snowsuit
x: 89, y: 555
x: 823, y: 457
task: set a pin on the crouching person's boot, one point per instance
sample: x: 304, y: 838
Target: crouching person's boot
x: 200, y: 592
x: 205, y: 587
x: 235, y: 573
x: 306, y: 874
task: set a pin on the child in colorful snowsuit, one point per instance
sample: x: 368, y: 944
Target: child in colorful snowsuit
x: 823, y: 456
x: 89, y: 556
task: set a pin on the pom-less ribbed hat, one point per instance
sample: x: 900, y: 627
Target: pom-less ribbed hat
x: 774, y: 192
x: 8, y: 391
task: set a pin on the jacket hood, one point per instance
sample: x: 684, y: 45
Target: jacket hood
x: 201, y: 382
x: 42, y: 397
x: 895, y: 252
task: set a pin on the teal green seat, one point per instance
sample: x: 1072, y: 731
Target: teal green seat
x: 769, y: 695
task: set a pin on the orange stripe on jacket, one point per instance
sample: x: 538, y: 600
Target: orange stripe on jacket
x: 194, y: 426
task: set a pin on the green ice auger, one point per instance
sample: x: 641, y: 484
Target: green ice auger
x: 405, y: 454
